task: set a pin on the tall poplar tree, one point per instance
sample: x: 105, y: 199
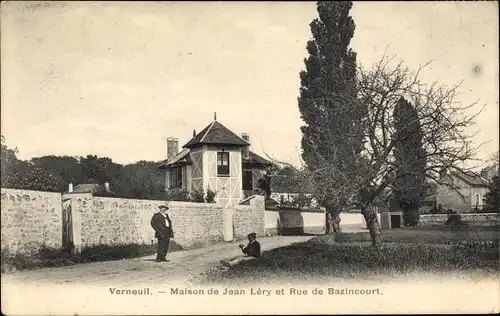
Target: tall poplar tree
x: 410, y: 161
x: 332, y: 137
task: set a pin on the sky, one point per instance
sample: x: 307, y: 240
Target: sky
x: 115, y: 79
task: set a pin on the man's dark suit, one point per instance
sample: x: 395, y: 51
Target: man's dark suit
x: 253, y: 249
x: 163, y: 233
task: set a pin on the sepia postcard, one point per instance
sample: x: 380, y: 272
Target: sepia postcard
x: 213, y: 158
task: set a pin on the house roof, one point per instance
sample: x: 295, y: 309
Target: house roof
x: 470, y: 178
x: 254, y: 159
x: 181, y: 158
x: 87, y: 188
x: 184, y: 157
x: 216, y: 133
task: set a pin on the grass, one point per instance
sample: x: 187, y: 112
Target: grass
x: 350, y: 256
x: 426, y: 235
x: 50, y: 257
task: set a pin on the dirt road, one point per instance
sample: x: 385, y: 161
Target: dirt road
x: 182, y: 266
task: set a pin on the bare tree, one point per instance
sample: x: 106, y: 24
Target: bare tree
x: 446, y: 126
x: 444, y: 120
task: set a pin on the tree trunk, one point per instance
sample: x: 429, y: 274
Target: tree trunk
x: 373, y: 225
x: 406, y: 222
x: 336, y: 222
x: 330, y: 230
x: 413, y: 216
x: 332, y: 221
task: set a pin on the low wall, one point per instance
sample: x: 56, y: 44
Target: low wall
x: 294, y: 222
x: 479, y: 219
x: 122, y: 221
x: 354, y: 220
x: 249, y: 218
x: 30, y: 219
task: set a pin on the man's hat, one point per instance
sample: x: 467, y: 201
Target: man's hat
x: 164, y: 207
x: 252, y: 235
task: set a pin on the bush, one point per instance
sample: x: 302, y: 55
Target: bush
x: 437, y: 209
x: 197, y: 196
x: 484, y: 209
x: 210, y: 198
x: 454, y: 218
x: 178, y: 195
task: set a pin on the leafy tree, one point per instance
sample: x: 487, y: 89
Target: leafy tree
x: 67, y: 168
x: 287, y: 178
x: 8, y: 164
x: 99, y: 169
x: 410, y: 162
x: 332, y: 140
x: 493, y: 195
x: 140, y: 180
x: 18, y: 174
x: 38, y: 179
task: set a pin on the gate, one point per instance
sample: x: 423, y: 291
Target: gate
x: 67, y: 231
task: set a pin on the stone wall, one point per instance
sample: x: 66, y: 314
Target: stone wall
x: 30, y: 219
x: 196, y: 223
x: 247, y: 219
x: 294, y: 222
x: 480, y: 219
x: 122, y: 221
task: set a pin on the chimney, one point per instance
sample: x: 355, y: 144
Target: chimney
x: 172, y: 147
x: 106, y: 186
x: 70, y: 187
x: 246, y: 149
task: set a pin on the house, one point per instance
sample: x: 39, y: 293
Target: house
x: 215, y: 159
x: 93, y: 188
x: 290, y: 191
x: 489, y: 172
x: 461, y: 191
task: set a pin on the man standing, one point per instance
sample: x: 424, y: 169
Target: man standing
x: 264, y: 185
x: 162, y: 225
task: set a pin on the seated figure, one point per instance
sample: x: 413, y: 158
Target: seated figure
x: 251, y: 251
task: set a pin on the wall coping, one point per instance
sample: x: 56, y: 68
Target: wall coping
x: 297, y: 210
x: 33, y: 191
x: 462, y: 214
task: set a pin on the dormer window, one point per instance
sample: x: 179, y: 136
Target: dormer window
x: 223, y: 164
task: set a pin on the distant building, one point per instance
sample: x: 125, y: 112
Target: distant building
x: 286, y: 193
x: 93, y: 188
x: 489, y: 172
x: 215, y: 159
x: 462, y: 191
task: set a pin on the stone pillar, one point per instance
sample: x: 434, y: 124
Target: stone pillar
x: 228, y: 224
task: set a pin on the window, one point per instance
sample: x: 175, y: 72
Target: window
x: 176, y: 177
x: 223, y: 163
